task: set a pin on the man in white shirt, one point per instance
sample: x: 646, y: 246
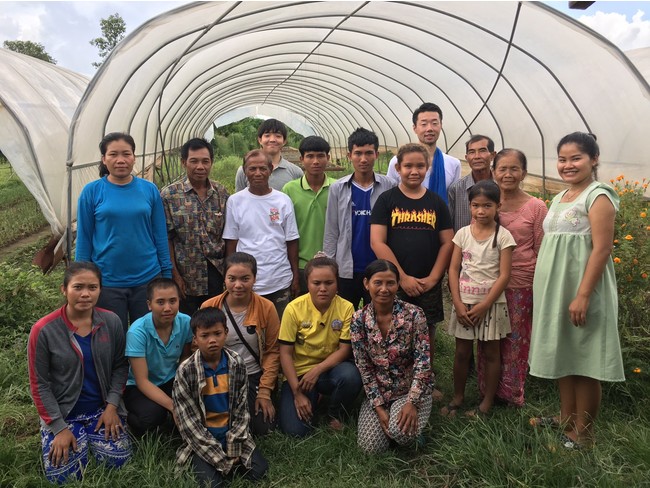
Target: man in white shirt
x: 261, y: 221
x: 427, y: 125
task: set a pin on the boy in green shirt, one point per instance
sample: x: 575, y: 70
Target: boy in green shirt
x: 309, y: 196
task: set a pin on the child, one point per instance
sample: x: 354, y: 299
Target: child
x: 411, y: 227
x: 211, y: 408
x: 478, y: 275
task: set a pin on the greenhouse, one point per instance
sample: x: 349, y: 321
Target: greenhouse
x: 519, y: 72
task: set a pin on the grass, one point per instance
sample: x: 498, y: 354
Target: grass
x: 20, y: 215
x: 500, y: 451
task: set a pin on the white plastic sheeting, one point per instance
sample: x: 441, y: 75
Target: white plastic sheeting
x: 522, y: 73
x: 37, y: 102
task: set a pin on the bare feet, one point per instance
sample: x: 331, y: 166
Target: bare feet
x: 336, y: 424
x: 449, y: 411
x: 437, y: 395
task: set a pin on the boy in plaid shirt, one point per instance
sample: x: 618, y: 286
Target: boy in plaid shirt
x: 211, y: 407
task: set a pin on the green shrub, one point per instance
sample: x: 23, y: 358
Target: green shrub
x: 632, y: 263
x: 25, y: 296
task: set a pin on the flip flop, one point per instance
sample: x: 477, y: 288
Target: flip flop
x: 544, y: 421
x: 449, y: 410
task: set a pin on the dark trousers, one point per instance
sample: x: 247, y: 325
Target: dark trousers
x: 191, y: 303
x: 280, y: 299
x: 145, y: 414
x: 353, y: 291
x: 342, y: 384
x: 207, y: 474
x: 129, y: 304
x: 258, y: 426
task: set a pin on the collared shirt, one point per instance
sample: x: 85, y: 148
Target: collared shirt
x: 395, y: 366
x: 309, y: 207
x: 282, y: 174
x: 196, y: 228
x: 143, y: 341
x: 458, y: 197
x: 190, y: 414
x: 337, y: 240
x: 314, y: 335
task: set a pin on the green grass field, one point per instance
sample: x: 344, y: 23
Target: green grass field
x: 500, y: 451
x: 20, y: 215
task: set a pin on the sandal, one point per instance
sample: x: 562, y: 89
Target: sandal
x: 544, y: 422
x: 449, y: 410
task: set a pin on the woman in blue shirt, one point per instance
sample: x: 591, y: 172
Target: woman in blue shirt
x: 121, y: 228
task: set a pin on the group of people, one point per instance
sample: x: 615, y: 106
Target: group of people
x: 185, y: 308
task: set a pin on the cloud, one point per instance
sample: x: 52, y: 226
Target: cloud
x: 616, y: 28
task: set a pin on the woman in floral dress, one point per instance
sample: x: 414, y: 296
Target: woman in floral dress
x: 390, y: 341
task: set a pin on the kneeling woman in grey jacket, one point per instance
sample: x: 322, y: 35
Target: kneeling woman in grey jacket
x: 77, y: 372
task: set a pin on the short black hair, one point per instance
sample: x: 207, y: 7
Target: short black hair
x: 207, y: 317
x: 194, y: 145
x: 426, y: 107
x: 160, y: 283
x: 362, y: 137
x: 272, y: 125
x: 477, y: 138
x: 313, y: 144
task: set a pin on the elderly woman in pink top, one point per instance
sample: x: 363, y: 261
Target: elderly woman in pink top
x: 522, y: 214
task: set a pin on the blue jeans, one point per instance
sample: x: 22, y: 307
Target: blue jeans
x: 342, y: 384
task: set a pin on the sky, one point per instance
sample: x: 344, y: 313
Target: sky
x: 66, y: 28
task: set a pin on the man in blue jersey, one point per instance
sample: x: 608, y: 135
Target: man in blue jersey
x: 347, y: 219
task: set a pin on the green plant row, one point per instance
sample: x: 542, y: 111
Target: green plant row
x: 20, y: 220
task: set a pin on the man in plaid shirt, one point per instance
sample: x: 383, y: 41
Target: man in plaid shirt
x: 211, y: 408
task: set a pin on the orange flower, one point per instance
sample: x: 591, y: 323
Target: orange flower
x: 616, y: 240
x: 636, y: 183
x: 619, y: 177
x: 647, y: 228
x: 617, y: 260
x: 644, y: 276
x: 636, y: 370
x: 611, y: 181
x: 643, y: 215
x: 628, y: 237
x: 635, y: 261
x: 547, y: 202
x: 645, y: 185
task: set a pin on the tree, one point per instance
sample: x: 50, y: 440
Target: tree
x: 113, y: 29
x: 33, y: 49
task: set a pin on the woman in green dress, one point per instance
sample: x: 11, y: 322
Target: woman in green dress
x: 575, y: 305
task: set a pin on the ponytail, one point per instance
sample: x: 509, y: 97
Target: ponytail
x: 496, y: 230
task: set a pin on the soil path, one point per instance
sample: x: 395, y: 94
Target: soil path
x: 25, y: 241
